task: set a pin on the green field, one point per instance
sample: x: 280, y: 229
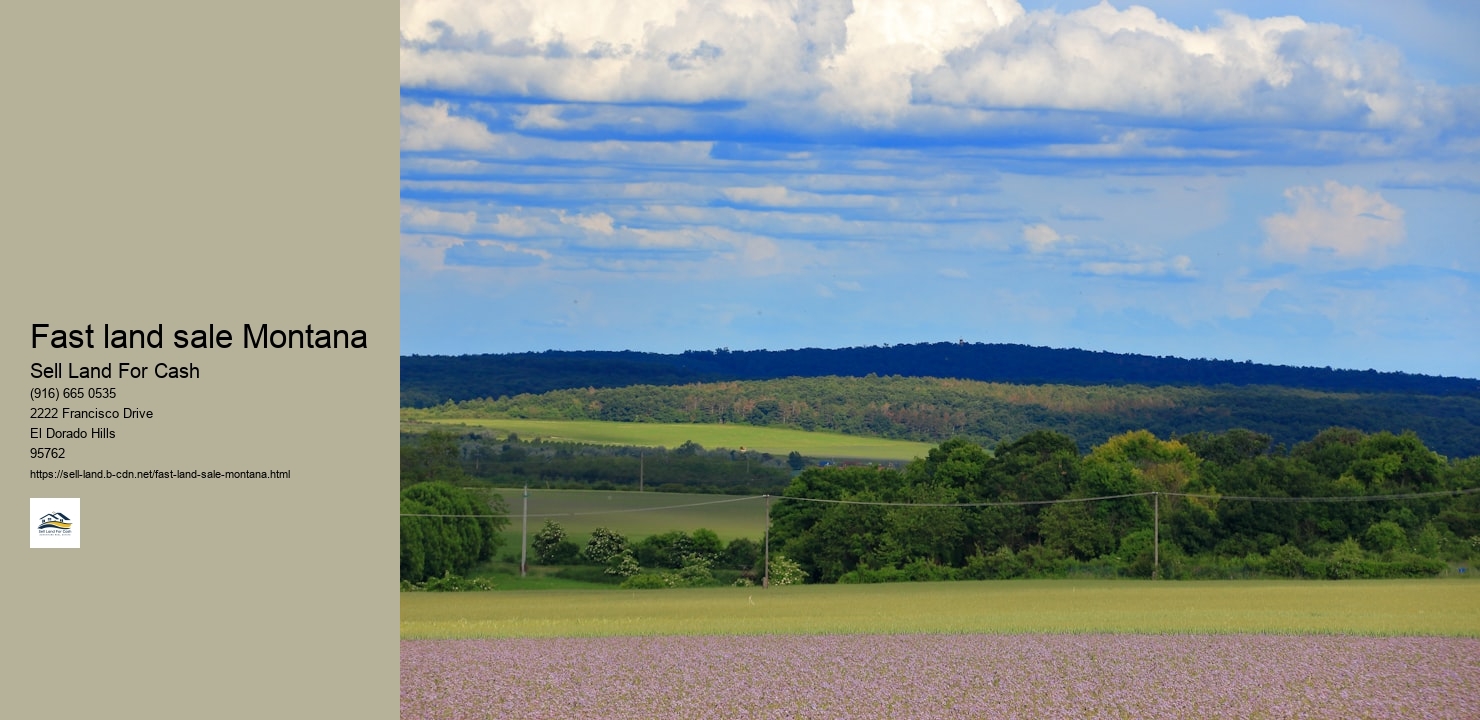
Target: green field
x: 634, y: 514
x: 776, y: 441
x: 1368, y: 607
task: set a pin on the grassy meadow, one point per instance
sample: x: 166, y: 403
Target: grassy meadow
x: 1363, y: 607
x: 634, y: 514
x: 776, y: 441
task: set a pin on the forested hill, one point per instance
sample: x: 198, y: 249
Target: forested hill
x: 933, y: 409
x: 433, y: 379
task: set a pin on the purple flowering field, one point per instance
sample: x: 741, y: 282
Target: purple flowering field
x: 944, y: 676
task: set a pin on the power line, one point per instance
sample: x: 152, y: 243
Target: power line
x: 598, y: 512
x: 1004, y: 503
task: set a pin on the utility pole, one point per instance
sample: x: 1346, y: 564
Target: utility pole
x: 1155, y: 535
x: 641, y: 464
x: 766, y: 573
x: 524, y: 535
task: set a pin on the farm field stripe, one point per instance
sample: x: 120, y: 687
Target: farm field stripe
x: 777, y: 441
x: 1360, y: 607
x: 934, y: 676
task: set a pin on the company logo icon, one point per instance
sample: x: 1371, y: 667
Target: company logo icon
x: 56, y: 521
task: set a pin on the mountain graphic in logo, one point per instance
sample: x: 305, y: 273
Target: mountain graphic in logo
x: 55, y: 520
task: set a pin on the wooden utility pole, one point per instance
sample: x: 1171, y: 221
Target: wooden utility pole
x: 524, y: 535
x: 766, y: 573
x: 1155, y: 535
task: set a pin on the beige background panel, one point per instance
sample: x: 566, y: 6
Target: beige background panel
x: 187, y: 164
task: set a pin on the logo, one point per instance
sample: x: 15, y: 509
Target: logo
x: 55, y: 522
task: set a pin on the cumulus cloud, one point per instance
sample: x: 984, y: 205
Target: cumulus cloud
x: 1334, y: 223
x: 424, y: 218
x: 433, y: 127
x: 910, y: 67
x: 1042, y: 238
x: 600, y: 223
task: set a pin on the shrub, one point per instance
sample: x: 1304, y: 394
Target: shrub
x: 1346, y: 561
x: 785, y: 571
x: 922, y: 569
x: 1384, y: 536
x: 551, y: 546
x: 454, y: 583
x: 604, y: 545
x: 622, y: 565
x: 1286, y: 561
x: 644, y: 581
x: 999, y: 565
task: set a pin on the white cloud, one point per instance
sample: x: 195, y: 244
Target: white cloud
x: 541, y: 117
x: 425, y: 218
x: 912, y: 67
x: 596, y: 222
x: 1042, y: 238
x: 1178, y: 267
x: 432, y: 127
x: 593, y: 50
x: 774, y: 195
x: 889, y: 42
x: 1334, y: 223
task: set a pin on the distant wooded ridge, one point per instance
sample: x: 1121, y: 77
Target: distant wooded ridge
x: 433, y: 379
x: 934, y: 409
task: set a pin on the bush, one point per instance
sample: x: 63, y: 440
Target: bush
x: 923, y: 570
x: 694, y: 573
x: 1287, y: 561
x: 1346, y: 561
x: 604, y: 545
x: 785, y: 571
x: 864, y: 576
x: 586, y: 573
x: 1384, y: 536
x: 551, y: 546
x: 450, y: 583
x: 644, y: 581
x: 1000, y: 565
x: 1042, y: 561
x: 622, y: 565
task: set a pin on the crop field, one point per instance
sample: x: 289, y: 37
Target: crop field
x: 776, y: 441
x: 1366, y: 607
x: 1003, y: 649
x: 636, y: 515
x: 1144, y: 677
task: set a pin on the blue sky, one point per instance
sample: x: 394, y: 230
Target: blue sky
x: 1291, y: 183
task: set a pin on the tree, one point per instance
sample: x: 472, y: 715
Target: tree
x: 604, y: 545
x: 433, y: 457
x: 447, y: 529
x: 551, y: 547
x: 741, y: 554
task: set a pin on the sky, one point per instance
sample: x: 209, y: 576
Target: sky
x: 1295, y: 183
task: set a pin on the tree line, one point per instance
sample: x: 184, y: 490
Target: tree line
x: 935, y: 409
x: 889, y: 523
x: 1204, y: 529
x: 428, y: 380
x: 475, y: 456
